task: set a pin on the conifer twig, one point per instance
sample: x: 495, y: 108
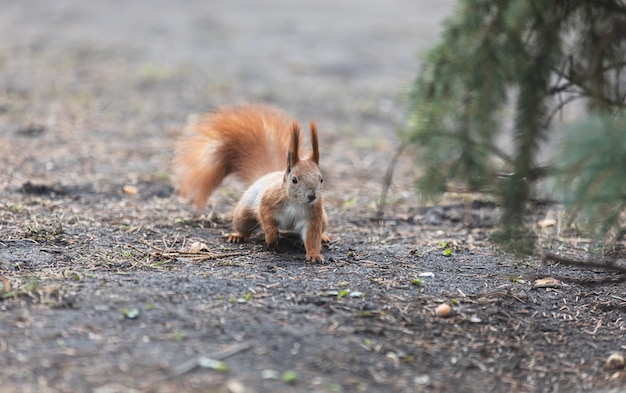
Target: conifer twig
x: 388, y: 179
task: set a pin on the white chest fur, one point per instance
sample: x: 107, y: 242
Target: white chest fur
x: 293, y: 217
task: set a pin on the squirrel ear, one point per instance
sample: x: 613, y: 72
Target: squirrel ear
x: 292, y: 154
x: 315, y: 153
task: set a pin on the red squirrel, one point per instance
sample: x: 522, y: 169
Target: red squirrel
x: 262, y: 146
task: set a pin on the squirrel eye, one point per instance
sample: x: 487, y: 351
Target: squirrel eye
x: 294, y: 180
x: 321, y: 180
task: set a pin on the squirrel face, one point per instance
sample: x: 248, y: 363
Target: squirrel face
x: 304, y: 182
x: 303, y: 179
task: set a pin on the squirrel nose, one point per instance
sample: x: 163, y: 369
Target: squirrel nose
x: 311, y: 197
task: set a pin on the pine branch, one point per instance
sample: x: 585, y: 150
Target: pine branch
x: 550, y: 54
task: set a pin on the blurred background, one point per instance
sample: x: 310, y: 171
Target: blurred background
x: 97, y: 91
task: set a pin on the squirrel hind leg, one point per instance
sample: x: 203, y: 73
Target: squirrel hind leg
x: 244, y: 223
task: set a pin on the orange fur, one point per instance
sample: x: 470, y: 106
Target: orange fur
x: 252, y: 142
x: 247, y: 141
x: 315, y: 148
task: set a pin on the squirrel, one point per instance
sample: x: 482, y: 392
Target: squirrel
x: 252, y: 142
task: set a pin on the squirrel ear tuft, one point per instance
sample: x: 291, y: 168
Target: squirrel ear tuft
x: 292, y: 155
x: 290, y: 161
x: 315, y: 153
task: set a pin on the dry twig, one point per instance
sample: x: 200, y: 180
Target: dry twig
x: 195, y: 362
x: 160, y: 253
x: 609, y: 265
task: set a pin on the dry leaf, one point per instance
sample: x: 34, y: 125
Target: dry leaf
x: 546, y: 222
x: 7, y: 285
x: 548, y: 282
x: 234, y: 386
x: 615, y: 361
x: 197, y: 247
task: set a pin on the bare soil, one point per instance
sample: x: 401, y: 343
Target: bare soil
x: 101, y: 292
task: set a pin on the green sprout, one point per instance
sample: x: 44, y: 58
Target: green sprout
x: 290, y: 376
x: 132, y: 313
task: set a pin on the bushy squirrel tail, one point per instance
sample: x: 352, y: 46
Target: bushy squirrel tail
x: 247, y: 141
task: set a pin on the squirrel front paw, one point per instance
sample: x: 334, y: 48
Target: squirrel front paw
x: 235, y: 238
x: 271, y: 244
x: 271, y: 238
x: 314, y: 258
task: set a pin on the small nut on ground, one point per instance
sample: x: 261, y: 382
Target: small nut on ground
x: 443, y: 310
x: 130, y: 190
x: 615, y: 361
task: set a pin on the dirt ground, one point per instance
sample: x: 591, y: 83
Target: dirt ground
x: 100, y: 292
